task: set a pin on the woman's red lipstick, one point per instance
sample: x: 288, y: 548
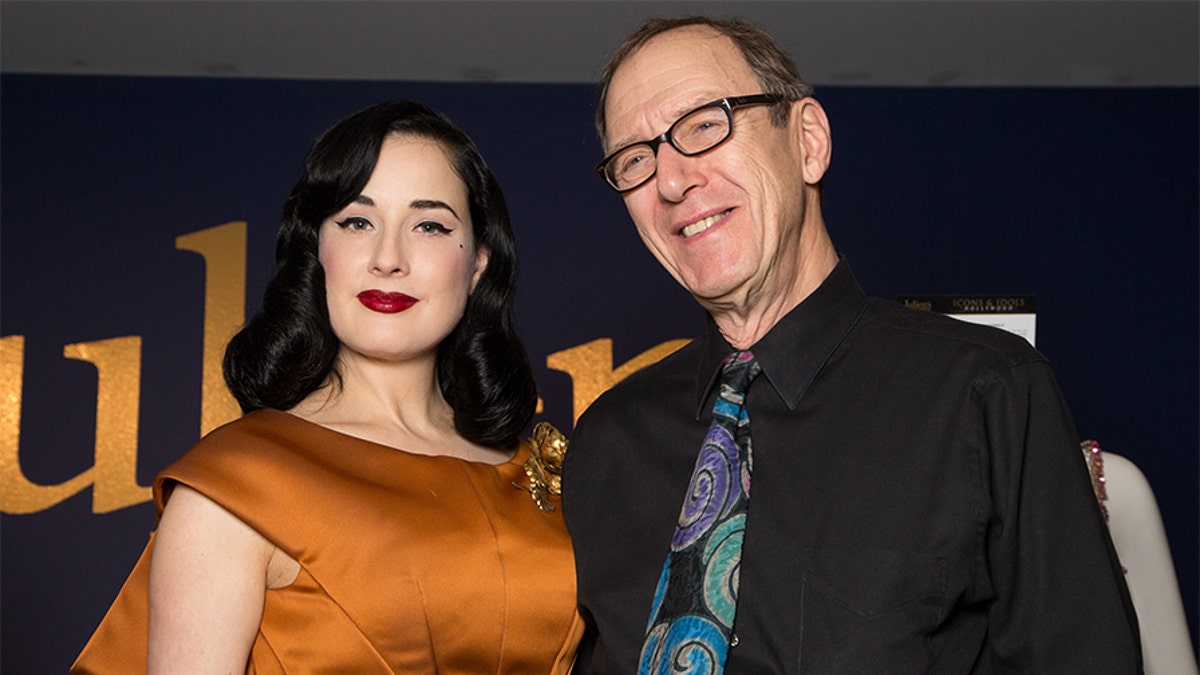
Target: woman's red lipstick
x: 387, y: 303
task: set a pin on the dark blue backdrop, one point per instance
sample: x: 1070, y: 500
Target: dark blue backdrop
x: 1087, y: 199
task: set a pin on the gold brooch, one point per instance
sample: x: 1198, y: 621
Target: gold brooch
x: 548, y: 447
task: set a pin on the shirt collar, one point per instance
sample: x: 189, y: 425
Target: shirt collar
x: 795, y: 349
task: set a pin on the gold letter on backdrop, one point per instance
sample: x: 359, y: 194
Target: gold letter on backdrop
x: 119, y: 371
x: 224, y: 251
x: 17, y: 494
x: 591, y: 369
x: 118, y: 366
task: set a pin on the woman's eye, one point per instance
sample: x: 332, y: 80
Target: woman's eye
x: 354, y: 223
x: 432, y: 227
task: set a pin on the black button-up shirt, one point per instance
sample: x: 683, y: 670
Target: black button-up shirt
x: 919, y: 503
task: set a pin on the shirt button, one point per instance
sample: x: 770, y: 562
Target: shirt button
x: 733, y: 641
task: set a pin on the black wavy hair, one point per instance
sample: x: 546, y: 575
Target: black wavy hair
x: 288, y: 350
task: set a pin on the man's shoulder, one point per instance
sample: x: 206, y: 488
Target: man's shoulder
x: 941, y: 333
x: 668, y: 376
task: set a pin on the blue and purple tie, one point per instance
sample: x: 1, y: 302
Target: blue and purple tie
x: 691, y: 619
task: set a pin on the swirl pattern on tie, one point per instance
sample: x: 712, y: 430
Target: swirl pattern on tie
x: 691, y: 617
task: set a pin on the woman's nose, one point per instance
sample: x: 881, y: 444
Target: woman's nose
x: 389, y: 256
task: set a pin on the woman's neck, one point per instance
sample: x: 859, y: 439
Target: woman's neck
x: 394, y: 403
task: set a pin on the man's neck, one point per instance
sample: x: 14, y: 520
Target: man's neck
x: 744, y: 324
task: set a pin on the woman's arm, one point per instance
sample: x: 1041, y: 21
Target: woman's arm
x: 207, y: 583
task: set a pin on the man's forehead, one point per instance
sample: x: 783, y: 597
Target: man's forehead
x: 667, y: 113
x: 672, y: 74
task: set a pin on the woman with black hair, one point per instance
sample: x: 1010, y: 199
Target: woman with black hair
x: 372, y: 510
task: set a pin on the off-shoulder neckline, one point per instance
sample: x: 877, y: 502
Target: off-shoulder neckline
x: 513, y: 458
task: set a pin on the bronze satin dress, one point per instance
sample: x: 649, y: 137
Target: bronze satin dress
x: 409, y: 563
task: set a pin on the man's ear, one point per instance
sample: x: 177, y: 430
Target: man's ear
x: 481, y: 262
x: 810, y: 127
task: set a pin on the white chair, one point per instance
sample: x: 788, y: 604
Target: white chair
x: 1137, y: 532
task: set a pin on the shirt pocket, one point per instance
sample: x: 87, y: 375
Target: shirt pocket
x: 863, y: 611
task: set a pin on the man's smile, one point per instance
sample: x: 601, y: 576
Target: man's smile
x: 702, y: 224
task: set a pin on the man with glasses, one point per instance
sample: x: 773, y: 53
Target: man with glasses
x: 822, y: 483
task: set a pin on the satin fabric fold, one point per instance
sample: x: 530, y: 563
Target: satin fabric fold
x: 410, y: 563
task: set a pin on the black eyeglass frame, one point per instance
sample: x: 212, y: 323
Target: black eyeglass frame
x: 728, y: 104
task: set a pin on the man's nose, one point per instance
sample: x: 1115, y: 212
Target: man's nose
x: 676, y: 173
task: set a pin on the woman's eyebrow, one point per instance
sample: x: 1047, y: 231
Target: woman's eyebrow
x: 433, y: 204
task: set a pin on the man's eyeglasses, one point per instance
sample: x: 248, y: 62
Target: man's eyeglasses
x: 698, y: 131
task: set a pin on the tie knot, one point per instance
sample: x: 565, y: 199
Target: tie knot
x: 739, y: 371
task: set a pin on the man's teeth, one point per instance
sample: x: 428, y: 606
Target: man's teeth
x: 702, y: 225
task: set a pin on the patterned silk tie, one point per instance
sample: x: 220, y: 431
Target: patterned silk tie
x: 691, y: 619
